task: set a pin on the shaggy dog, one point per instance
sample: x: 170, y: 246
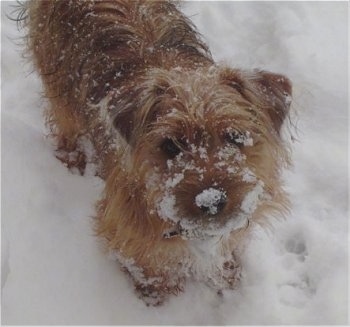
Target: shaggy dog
x: 190, y: 151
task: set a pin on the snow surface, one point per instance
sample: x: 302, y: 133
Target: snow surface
x: 53, y: 269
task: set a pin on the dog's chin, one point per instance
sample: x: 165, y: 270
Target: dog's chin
x: 188, y: 230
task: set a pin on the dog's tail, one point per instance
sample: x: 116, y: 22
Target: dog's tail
x: 85, y: 48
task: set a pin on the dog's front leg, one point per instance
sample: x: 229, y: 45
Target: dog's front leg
x: 155, y: 290
x: 231, y: 273
x: 153, y: 287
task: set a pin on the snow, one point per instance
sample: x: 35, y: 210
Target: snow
x: 251, y: 199
x: 53, y: 268
x: 241, y: 138
x: 167, y: 208
x: 210, y: 198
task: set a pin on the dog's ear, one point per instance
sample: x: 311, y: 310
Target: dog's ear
x: 269, y: 92
x: 121, y: 113
x: 122, y: 108
x: 274, y: 92
x: 125, y: 106
x: 123, y: 122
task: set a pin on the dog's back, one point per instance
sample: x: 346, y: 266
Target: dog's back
x: 90, y: 42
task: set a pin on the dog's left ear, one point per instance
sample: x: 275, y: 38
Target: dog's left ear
x: 268, y: 91
x: 274, y: 91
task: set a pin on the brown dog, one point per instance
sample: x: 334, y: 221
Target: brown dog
x: 190, y: 151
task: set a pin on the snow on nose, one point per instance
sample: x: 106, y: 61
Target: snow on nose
x: 211, y: 201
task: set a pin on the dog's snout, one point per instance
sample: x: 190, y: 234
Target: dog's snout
x: 211, y: 201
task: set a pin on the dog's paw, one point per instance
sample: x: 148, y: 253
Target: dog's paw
x: 231, y: 273
x: 157, y: 293
x: 150, y: 295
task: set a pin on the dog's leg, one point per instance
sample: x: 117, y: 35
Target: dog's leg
x: 66, y: 130
x: 150, y: 294
x: 155, y: 293
x: 231, y: 272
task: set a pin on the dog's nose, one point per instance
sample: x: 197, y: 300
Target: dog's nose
x: 211, y: 201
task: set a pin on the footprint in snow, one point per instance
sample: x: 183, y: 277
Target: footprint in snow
x: 297, y: 245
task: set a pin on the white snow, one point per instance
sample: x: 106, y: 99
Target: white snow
x: 53, y: 269
x: 251, y: 199
x: 248, y: 176
x: 167, y: 208
x: 243, y: 138
x: 209, y: 198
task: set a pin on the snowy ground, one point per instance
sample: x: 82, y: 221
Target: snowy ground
x: 53, y: 271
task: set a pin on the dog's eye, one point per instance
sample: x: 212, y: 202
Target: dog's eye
x: 170, y: 147
x: 236, y: 138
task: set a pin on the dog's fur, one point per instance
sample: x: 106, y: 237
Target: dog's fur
x: 190, y: 151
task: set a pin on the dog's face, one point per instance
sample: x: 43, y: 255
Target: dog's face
x: 206, y: 145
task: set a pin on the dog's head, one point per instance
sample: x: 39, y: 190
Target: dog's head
x: 205, y: 144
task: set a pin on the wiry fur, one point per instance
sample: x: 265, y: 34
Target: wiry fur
x: 133, y: 78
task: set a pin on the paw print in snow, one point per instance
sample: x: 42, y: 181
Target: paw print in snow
x: 296, y: 245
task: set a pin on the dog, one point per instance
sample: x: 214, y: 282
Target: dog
x: 190, y: 150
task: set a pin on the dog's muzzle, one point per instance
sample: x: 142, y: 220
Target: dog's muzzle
x: 211, y: 203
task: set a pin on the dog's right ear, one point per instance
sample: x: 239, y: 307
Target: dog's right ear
x: 122, y: 113
x: 123, y: 123
x: 123, y: 109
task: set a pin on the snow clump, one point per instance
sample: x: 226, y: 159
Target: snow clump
x: 210, y: 198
